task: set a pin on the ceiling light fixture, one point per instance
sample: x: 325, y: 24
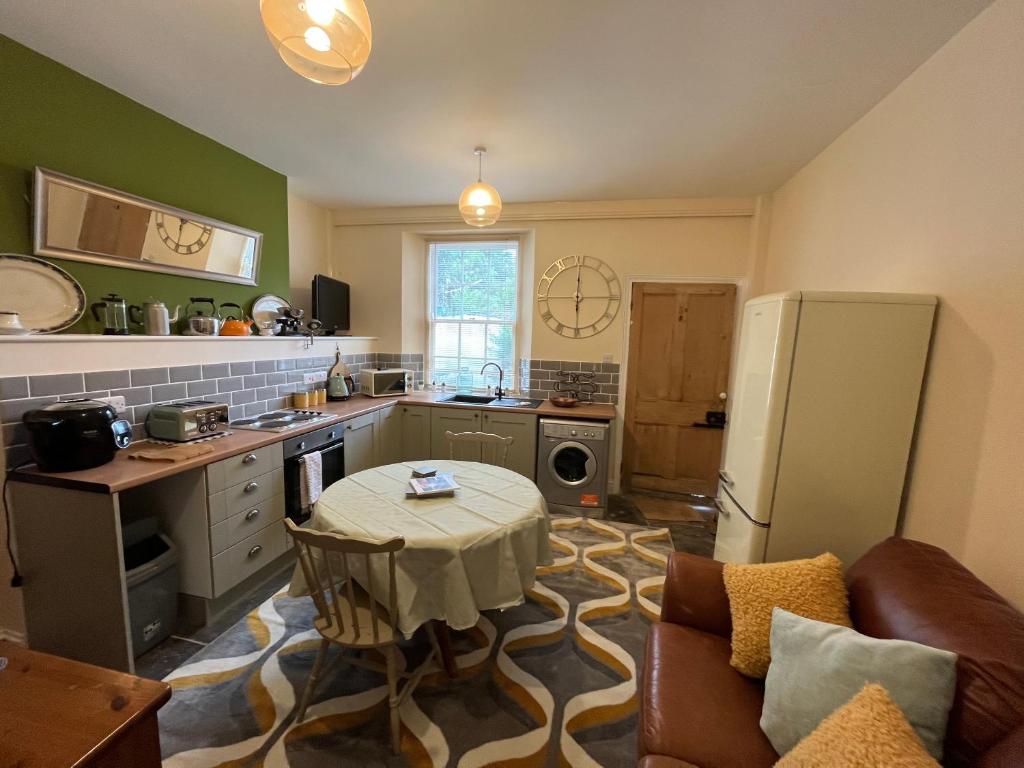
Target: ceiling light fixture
x: 326, y: 41
x: 480, y: 203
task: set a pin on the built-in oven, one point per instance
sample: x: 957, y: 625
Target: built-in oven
x: 329, y: 441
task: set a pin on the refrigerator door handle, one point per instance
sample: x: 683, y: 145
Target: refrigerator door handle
x: 744, y: 512
x: 724, y: 477
x: 718, y: 505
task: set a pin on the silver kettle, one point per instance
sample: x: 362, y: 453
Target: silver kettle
x: 154, y: 317
x: 198, y: 324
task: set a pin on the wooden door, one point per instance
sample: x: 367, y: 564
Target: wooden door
x: 680, y: 339
x: 415, y: 432
x: 113, y: 228
x: 522, y: 428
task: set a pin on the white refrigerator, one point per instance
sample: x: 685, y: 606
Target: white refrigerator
x: 821, y: 421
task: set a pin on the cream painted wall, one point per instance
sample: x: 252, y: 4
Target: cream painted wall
x: 309, y: 243
x: 926, y: 194
x: 385, y: 265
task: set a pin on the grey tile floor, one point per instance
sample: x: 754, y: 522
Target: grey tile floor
x: 697, y: 538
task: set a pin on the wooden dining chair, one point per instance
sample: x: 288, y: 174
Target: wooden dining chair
x: 353, y: 617
x: 478, y: 446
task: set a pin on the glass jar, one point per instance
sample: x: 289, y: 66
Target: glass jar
x: 300, y: 398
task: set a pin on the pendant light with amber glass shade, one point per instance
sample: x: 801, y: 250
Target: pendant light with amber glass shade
x: 326, y: 41
x: 480, y: 203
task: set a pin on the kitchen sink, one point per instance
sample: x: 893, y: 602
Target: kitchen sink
x: 469, y: 399
x: 516, y: 402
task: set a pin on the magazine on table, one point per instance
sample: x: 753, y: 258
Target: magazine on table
x: 438, y: 485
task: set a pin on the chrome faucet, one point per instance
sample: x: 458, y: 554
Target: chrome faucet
x: 499, y: 392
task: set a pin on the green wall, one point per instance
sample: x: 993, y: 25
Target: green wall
x: 53, y: 117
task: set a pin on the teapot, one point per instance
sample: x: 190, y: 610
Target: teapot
x: 235, y: 326
x: 154, y: 317
x: 198, y: 324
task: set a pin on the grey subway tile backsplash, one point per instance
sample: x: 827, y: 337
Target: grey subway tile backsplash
x: 144, y: 376
x: 255, y: 380
x: 216, y: 371
x: 266, y: 393
x: 265, y: 366
x: 135, y: 395
x: 13, y: 387
x: 230, y: 384
x: 107, y: 380
x: 12, y: 410
x: 543, y: 376
x: 200, y: 388
x: 255, y: 409
x: 277, y: 378
x: 285, y: 365
x: 221, y: 397
x: 84, y: 395
x: 163, y: 392
x: 241, y: 369
x: 186, y: 372
x: 56, y: 384
x: 236, y: 412
x: 243, y: 396
x: 139, y: 413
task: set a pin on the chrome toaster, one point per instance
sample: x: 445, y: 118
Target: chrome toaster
x: 186, y: 421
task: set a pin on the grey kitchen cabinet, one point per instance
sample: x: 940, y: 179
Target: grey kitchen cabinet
x: 450, y: 420
x: 522, y: 428
x: 389, y: 434
x: 360, y: 443
x: 415, y: 432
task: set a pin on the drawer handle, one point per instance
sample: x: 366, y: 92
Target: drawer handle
x: 250, y: 487
x: 251, y: 514
x: 255, y: 550
x: 249, y: 459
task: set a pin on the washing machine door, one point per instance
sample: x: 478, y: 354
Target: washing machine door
x: 572, y: 464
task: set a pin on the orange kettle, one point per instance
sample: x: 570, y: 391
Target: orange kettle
x: 232, y: 325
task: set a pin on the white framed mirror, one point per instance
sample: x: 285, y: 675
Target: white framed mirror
x: 76, y: 219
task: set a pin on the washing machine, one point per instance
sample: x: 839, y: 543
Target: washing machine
x: 572, y: 466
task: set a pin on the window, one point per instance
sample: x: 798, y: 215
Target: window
x: 472, y: 311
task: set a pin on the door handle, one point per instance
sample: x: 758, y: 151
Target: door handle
x: 250, y: 487
x: 725, y: 477
x: 249, y: 459
x: 251, y: 514
x: 255, y: 550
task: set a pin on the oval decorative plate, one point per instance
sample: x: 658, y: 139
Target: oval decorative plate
x: 268, y: 307
x: 46, y: 298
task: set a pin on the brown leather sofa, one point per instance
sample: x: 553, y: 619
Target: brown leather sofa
x: 696, y: 710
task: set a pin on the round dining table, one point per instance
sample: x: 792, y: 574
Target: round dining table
x: 474, y: 551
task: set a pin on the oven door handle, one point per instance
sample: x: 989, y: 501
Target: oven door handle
x: 336, y: 446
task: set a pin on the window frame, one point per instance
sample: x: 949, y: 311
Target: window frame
x: 511, y: 374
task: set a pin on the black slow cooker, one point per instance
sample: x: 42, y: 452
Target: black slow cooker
x: 75, y: 434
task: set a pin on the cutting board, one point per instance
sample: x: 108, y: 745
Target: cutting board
x: 173, y: 453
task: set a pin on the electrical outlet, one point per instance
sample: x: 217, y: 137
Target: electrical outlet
x: 313, y: 378
x: 117, y: 401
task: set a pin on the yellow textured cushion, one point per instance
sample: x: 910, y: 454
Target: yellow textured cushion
x: 869, y: 731
x: 812, y: 588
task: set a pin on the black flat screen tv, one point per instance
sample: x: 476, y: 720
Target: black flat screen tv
x: 330, y: 304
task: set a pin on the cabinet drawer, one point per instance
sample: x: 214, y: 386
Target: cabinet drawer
x: 245, y: 495
x: 237, y: 527
x: 240, y: 561
x: 244, y: 466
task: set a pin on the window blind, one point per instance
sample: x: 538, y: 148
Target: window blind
x: 472, y: 308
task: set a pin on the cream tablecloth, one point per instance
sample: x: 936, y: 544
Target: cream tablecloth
x: 475, y: 551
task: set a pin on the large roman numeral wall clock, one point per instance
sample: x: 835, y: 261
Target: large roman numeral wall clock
x: 578, y: 296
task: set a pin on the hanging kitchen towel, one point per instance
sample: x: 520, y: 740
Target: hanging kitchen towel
x: 311, y: 483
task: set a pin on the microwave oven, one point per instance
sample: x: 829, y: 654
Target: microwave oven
x: 385, y: 382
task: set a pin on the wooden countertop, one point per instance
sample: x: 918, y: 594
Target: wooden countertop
x: 55, y: 711
x: 123, y: 473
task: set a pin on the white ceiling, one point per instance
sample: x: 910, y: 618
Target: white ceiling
x: 575, y: 99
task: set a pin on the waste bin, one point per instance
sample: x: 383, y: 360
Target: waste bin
x: 151, y: 568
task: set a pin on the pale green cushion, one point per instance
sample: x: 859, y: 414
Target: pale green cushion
x: 817, y: 667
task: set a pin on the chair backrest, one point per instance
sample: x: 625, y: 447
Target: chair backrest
x: 478, y: 446
x: 329, y: 562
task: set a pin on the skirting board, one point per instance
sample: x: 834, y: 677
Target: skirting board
x: 14, y: 637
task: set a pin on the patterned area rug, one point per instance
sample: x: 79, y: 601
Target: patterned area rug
x: 551, y: 682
